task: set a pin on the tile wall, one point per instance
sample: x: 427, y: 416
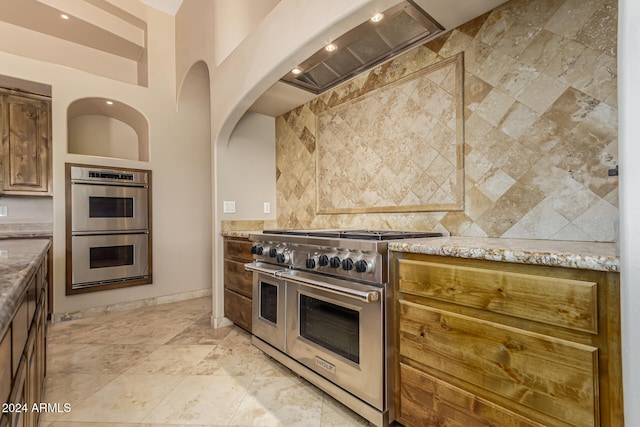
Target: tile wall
x: 540, y: 128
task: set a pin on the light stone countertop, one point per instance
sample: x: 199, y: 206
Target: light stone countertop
x: 554, y: 253
x: 25, y: 230
x: 243, y: 234
x: 19, y: 260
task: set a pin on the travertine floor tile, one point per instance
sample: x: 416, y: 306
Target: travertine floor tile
x: 165, y: 366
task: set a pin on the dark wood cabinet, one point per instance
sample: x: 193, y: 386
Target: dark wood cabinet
x: 25, y: 128
x: 23, y: 355
x: 487, y: 343
x: 237, y: 281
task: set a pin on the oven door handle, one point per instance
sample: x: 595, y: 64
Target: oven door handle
x: 372, y: 296
x: 257, y: 267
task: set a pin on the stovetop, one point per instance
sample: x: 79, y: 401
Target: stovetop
x: 352, y: 254
x: 357, y: 234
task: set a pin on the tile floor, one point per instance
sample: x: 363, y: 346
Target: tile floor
x: 165, y: 366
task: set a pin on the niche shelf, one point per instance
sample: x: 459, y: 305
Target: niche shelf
x: 107, y: 128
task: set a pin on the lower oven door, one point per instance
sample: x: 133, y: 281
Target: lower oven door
x: 108, y: 258
x: 338, y: 332
x: 268, y: 308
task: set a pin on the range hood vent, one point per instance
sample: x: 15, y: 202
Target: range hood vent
x: 403, y: 26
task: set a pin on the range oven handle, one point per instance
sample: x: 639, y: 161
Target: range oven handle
x: 257, y: 267
x: 371, y: 296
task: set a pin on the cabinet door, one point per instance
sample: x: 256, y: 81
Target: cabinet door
x: 237, y: 308
x: 528, y: 373
x: 237, y: 249
x: 426, y: 400
x: 237, y: 279
x: 26, y: 147
x: 5, y: 366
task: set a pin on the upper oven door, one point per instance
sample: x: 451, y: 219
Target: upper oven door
x: 336, y: 328
x: 96, y: 208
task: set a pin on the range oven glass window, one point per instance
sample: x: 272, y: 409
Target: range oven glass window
x: 331, y: 326
x: 110, y: 207
x: 269, y: 302
x: 111, y: 256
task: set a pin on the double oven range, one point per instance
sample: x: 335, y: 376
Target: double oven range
x: 321, y: 307
x: 108, y: 228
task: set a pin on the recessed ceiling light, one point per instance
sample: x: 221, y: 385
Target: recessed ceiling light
x: 330, y: 47
x: 297, y: 70
x: 377, y: 17
x: 109, y: 102
x: 63, y: 16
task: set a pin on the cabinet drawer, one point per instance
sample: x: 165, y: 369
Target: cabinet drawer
x: 239, y: 250
x: 519, y: 291
x: 236, y: 278
x: 19, y: 332
x: 237, y: 308
x: 428, y: 401
x: 5, y: 367
x: 527, y: 371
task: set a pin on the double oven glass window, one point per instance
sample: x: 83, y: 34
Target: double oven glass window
x: 334, y: 327
x: 110, y: 207
x: 269, y: 302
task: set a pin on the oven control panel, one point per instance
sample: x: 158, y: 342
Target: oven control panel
x: 346, y: 263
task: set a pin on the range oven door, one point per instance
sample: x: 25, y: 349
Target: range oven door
x: 268, y: 308
x: 100, y: 208
x: 107, y: 258
x: 336, y: 328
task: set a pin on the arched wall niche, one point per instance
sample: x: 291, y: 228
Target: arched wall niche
x: 107, y: 128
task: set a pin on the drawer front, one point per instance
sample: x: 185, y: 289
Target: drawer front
x: 237, y: 308
x: 20, y: 331
x: 559, y: 301
x: 428, y: 401
x: 237, y: 249
x: 5, y: 367
x: 236, y: 278
x: 548, y: 375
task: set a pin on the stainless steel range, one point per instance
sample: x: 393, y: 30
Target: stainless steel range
x: 321, y: 307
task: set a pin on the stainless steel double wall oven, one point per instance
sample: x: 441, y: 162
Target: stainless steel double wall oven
x: 321, y: 306
x: 108, y: 228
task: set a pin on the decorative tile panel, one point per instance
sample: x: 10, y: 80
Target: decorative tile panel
x: 540, y: 132
x: 397, y: 148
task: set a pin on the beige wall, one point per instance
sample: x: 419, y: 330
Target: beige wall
x: 179, y: 159
x: 540, y: 129
x: 27, y: 210
x: 244, y: 169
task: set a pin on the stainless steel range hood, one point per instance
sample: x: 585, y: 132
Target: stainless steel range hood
x: 365, y: 46
x: 284, y: 96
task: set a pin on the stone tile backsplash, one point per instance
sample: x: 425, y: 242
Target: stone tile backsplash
x: 540, y: 130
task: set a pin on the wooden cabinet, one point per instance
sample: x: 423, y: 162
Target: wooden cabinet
x: 25, y: 128
x: 23, y: 355
x: 5, y: 366
x: 487, y: 343
x: 237, y: 281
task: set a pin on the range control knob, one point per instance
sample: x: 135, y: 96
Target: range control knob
x: 334, y: 262
x: 347, y: 264
x: 311, y: 263
x: 257, y: 250
x: 323, y: 260
x: 282, y: 258
x: 362, y: 266
x: 273, y: 252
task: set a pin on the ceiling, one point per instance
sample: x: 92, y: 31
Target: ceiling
x: 102, y: 26
x: 168, y: 6
x: 449, y: 14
